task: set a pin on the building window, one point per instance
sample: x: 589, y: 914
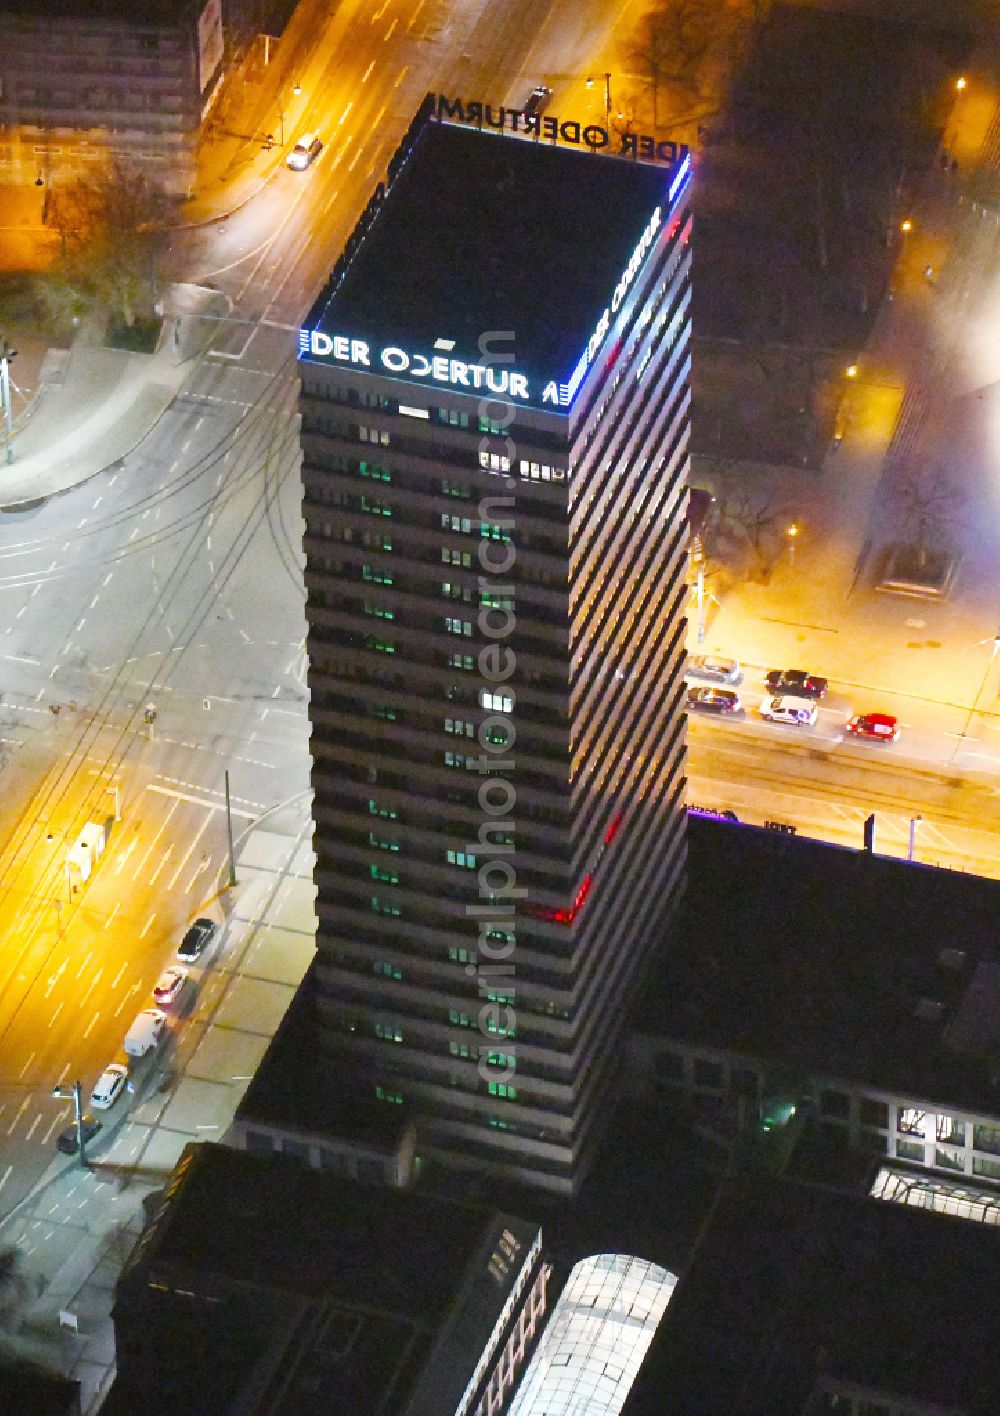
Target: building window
x: 376, y: 808
x: 382, y: 843
x: 456, y: 489
x: 509, y: 1093
x: 259, y: 1142
x: 408, y: 411
x: 910, y: 1150
x: 455, y: 523
x: 500, y: 1124
x: 461, y: 661
x: 463, y: 1049
x: 383, y: 711
x: 373, y: 471
x: 986, y: 1138
x: 375, y: 577
x: 874, y: 1113
x: 501, y: 1059
x: 451, y: 418
x: 459, y: 955
x: 497, y: 429
x: 379, y: 646
x: 374, y: 507
x: 491, y: 532
x: 379, y: 611
x: 461, y: 726
x: 460, y: 1020
x: 387, y: 1094
x: 379, y: 872
x: 452, y: 557
x: 458, y: 626
x: 373, y: 435
x: 384, y: 907
x: 451, y: 591
x: 376, y: 541
x: 496, y: 602
x: 494, y: 462
x: 461, y: 858
x: 388, y: 1032
x: 387, y: 970
x: 458, y: 759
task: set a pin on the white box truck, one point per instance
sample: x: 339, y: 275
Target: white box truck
x: 85, y: 852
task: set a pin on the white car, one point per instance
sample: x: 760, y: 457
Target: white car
x: 145, y: 1032
x: 168, y: 986
x: 304, y: 153
x: 786, y: 709
x: 712, y: 666
x: 110, y: 1085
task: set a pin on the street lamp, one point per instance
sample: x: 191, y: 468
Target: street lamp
x: 791, y: 532
x: 7, y: 353
x: 851, y: 372
x: 75, y: 1093
x: 961, y: 82
x: 914, y: 823
x: 906, y: 226
x: 607, y: 94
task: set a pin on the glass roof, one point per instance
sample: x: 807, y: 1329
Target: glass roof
x: 966, y: 1201
x: 596, y: 1338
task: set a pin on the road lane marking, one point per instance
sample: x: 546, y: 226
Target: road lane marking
x: 17, y: 1116
x: 118, y: 976
x: 343, y: 116
x: 20, y: 1075
x: 90, y: 1025
x: 6, y: 1175
x: 107, y: 923
x: 188, y: 853
x: 57, y: 1120
x: 166, y: 856
x: 201, y: 801
x: 53, y: 979
x: 86, y: 961
x: 127, y: 995
x: 367, y: 74
x: 416, y: 14
x: 147, y: 926
x: 94, y: 981
x: 389, y: 32
x: 33, y: 1127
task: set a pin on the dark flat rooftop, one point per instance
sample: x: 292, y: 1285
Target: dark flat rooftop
x: 141, y: 13
x: 483, y: 232
x: 791, y: 1285
x: 293, y: 1089
x: 835, y: 963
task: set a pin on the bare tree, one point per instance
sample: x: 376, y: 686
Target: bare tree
x: 13, y: 1287
x: 112, y: 229
x: 754, y: 514
x: 671, y: 44
x: 929, y: 501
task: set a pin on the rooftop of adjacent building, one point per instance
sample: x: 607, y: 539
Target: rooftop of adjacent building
x: 484, y: 232
x: 793, y: 1288
x: 833, y: 962
x: 138, y: 13
x: 27, y: 1391
x: 329, y: 1288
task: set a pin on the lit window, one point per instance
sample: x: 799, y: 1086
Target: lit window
x: 388, y: 877
x: 496, y: 702
x: 386, y: 1094
x: 459, y: 955
x: 458, y: 626
x: 460, y: 661
x: 384, y: 907
x: 374, y: 507
x: 387, y: 971
x: 382, y: 843
x: 380, y: 646
x: 502, y: 1089
x: 462, y: 726
x: 461, y: 858
x: 375, y: 577
x: 377, y: 809
x: 388, y: 1032
x: 379, y: 611
x: 373, y: 471
x: 408, y: 411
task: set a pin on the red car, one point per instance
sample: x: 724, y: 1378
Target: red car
x: 878, y: 727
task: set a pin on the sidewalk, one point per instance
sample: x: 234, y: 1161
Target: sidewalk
x: 77, y: 1228
x: 105, y: 402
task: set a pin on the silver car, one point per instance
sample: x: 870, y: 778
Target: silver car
x: 714, y: 667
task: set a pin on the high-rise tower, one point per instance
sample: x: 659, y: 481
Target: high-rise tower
x: 494, y: 428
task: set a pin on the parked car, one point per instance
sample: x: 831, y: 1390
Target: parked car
x: 786, y: 709
x: 109, y: 1086
x: 797, y: 682
x: 196, y: 940
x: 169, y: 985
x: 714, y: 700
x: 537, y: 101
x: 304, y: 153
x: 877, y: 727
x: 711, y: 666
x: 67, y: 1140
x: 145, y: 1032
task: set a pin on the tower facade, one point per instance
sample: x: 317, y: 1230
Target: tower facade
x: 494, y: 429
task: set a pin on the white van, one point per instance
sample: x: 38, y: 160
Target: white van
x: 85, y: 852
x: 145, y: 1032
x: 787, y: 709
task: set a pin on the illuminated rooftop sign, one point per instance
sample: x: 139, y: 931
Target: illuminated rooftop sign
x: 440, y: 368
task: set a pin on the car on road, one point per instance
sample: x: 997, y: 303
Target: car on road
x: 67, y: 1141
x: 109, y: 1086
x: 876, y: 727
x: 168, y: 986
x: 796, y: 682
x: 785, y: 709
x: 712, y: 666
x: 537, y: 101
x: 196, y: 940
x: 304, y: 153
x: 145, y: 1032
x: 714, y: 700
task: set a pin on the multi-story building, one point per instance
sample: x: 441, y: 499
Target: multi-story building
x: 494, y: 431
x: 88, y: 79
